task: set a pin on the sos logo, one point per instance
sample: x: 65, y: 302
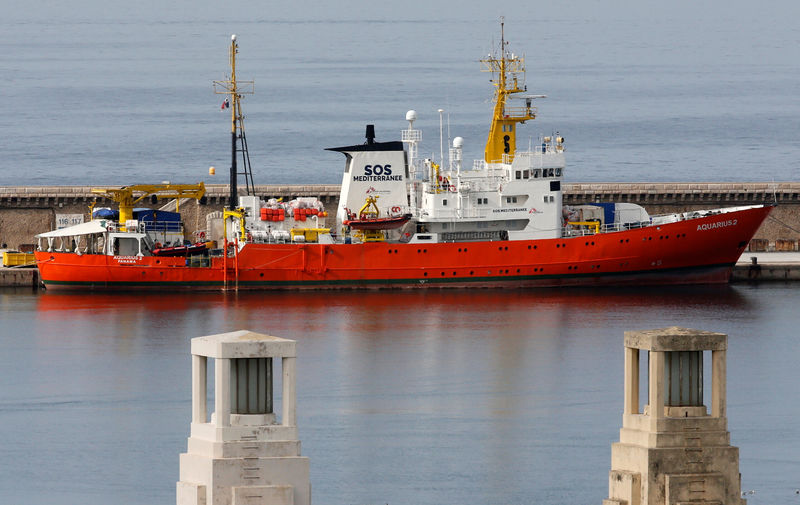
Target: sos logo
x: 377, y: 170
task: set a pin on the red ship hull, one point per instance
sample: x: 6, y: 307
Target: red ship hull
x: 695, y: 251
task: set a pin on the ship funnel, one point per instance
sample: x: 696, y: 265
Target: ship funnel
x: 370, y: 134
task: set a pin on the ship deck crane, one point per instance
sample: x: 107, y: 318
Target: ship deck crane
x: 127, y: 196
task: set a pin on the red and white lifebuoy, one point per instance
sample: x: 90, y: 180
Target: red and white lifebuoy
x: 452, y: 189
x: 396, y: 209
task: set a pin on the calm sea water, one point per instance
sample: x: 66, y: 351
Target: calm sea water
x: 434, y: 397
x: 100, y: 93
x: 439, y: 397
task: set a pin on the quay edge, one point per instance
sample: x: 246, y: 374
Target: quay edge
x: 19, y: 278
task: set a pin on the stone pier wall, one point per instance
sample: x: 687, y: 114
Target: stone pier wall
x: 26, y: 211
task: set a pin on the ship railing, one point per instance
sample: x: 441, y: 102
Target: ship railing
x: 467, y: 185
x: 519, y: 112
x: 478, y: 165
x: 168, y: 226
x: 471, y: 213
x: 489, y: 169
x: 537, y: 156
x: 496, y: 168
x: 583, y: 231
x: 657, y: 220
x: 417, y: 170
x: 411, y: 135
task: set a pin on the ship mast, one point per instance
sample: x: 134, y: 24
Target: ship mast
x: 236, y: 91
x: 505, y: 67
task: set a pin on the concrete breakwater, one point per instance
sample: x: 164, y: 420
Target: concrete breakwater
x: 28, y: 210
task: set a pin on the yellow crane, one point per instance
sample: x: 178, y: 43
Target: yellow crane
x: 127, y: 196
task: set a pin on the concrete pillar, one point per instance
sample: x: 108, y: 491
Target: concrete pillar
x: 244, y: 457
x: 199, y: 393
x: 222, y: 391
x: 289, y: 417
x: 718, y: 388
x: 677, y: 454
x: 656, y: 391
x: 631, y: 402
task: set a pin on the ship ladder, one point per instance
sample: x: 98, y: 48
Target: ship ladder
x: 225, y: 268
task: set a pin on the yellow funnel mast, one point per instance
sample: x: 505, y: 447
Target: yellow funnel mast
x: 505, y: 67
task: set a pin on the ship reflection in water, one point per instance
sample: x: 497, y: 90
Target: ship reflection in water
x: 434, y: 396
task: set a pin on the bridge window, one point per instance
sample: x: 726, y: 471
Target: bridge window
x: 558, y: 172
x: 526, y: 174
x: 537, y: 173
x: 125, y: 246
x: 518, y: 174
